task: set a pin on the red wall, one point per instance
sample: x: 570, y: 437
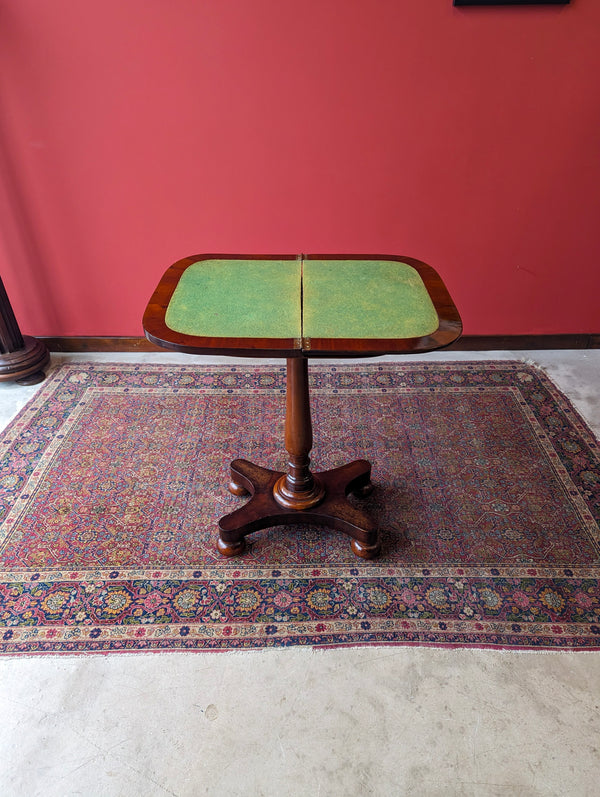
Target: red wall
x: 134, y: 133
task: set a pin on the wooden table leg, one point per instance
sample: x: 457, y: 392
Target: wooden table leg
x: 298, y: 496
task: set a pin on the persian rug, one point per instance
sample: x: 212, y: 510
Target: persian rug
x: 487, y: 494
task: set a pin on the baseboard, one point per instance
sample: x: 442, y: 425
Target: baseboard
x: 466, y: 343
x: 518, y: 342
x: 88, y: 343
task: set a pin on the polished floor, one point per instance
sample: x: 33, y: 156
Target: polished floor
x: 366, y: 721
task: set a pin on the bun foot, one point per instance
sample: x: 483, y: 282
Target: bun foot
x: 364, y: 491
x: 365, y: 551
x: 237, y: 489
x: 230, y: 548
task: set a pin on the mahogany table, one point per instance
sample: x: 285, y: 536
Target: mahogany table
x: 300, y: 307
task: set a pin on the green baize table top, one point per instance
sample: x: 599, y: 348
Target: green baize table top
x: 301, y: 299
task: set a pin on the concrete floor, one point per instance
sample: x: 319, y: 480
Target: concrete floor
x: 370, y: 721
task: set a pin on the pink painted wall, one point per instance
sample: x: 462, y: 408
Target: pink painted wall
x: 134, y: 133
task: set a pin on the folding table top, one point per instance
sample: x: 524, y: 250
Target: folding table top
x: 301, y: 306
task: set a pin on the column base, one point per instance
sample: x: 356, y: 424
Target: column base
x: 26, y: 365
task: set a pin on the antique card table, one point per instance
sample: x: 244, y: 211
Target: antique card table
x: 297, y: 308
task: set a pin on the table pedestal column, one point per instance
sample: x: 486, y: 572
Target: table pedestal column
x: 298, y: 496
x: 298, y: 488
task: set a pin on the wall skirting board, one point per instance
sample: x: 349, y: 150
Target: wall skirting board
x: 466, y: 343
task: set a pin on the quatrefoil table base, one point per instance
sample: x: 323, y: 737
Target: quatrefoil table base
x: 298, y: 496
x: 332, y: 509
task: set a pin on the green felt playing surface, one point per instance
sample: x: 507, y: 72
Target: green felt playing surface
x: 238, y: 299
x: 365, y: 299
x: 309, y: 299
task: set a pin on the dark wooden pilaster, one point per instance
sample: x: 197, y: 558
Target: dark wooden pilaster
x: 22, y: 358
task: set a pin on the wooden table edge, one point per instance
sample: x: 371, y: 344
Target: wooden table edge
x: 158, y: 333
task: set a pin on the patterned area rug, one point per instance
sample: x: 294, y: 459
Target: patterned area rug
x: 113, y: 479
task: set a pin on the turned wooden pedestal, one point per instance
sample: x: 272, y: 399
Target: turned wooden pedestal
x: 299, y: 307
x: 299, y: 496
